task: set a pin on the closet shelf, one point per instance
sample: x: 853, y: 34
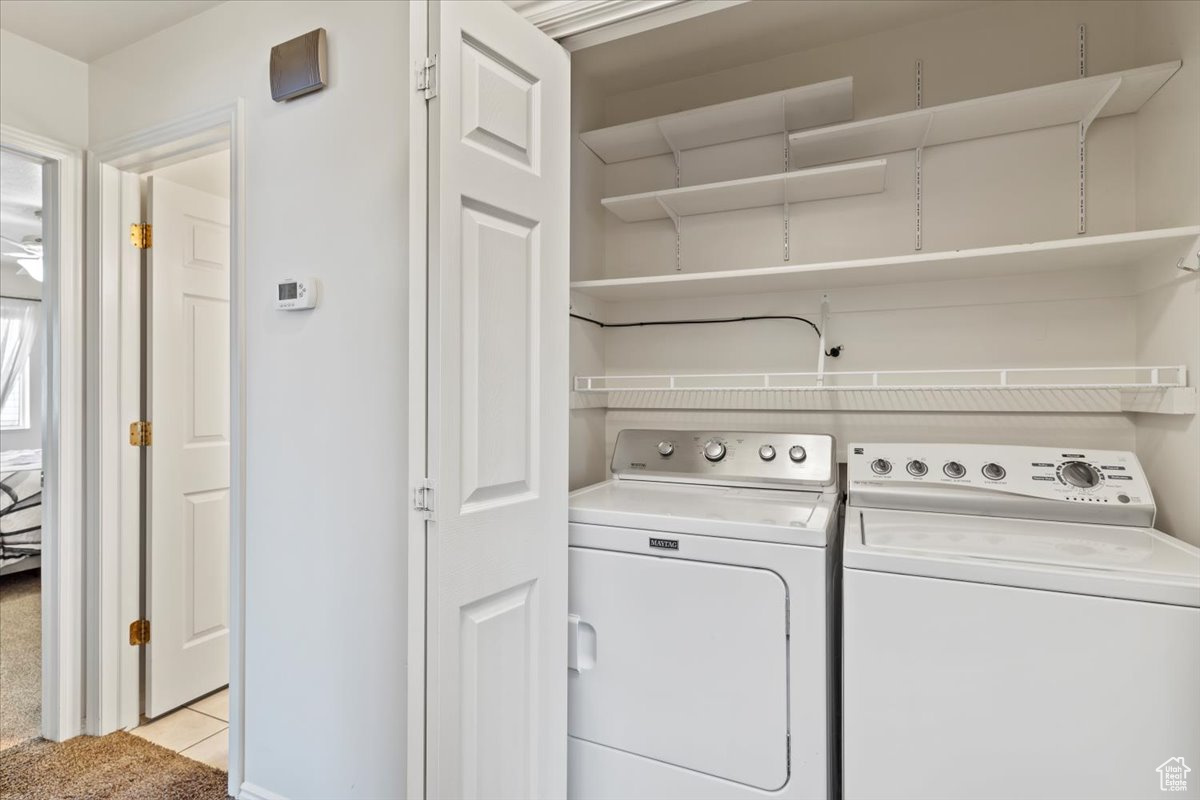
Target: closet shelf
x: 822, y: 183
x: 1098, y: 252
x: 777, y: 112
x: 1075, y: 101
x: 1104, y: 389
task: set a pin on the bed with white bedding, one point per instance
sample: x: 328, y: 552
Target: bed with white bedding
x: 20, y: 510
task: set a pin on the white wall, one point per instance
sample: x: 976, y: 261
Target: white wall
x: 1003, y: 190
x: 588, y: 226
x: 326, y: 188
x: 43, y: 91
x: 1168, y: 314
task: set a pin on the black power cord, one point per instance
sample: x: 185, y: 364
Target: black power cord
x: 832, y: 352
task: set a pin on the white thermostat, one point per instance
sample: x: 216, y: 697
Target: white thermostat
x: 296, y: 293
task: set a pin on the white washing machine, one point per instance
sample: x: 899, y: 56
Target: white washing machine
x: 1015, y: 628
x: 701, y: 601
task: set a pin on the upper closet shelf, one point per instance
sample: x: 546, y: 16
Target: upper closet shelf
x: 1097, y: 252
x: 843, y: 180
x: 1080, y: 100
x: 778, y: 112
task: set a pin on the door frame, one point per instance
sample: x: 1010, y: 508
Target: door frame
x: 63, y: 431
x: 418, y: 373
x: 113, y: 669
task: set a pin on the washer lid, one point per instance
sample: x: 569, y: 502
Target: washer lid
x: 762, y: 515
x: 1101, y: 560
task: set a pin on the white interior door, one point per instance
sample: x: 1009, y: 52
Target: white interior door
x: 187, y: 539
x: 497, y: 549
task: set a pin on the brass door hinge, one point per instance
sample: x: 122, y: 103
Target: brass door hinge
x: 141, y: 434
x: 141, y: 235
x: 139, y: 632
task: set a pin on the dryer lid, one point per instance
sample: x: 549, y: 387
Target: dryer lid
x: 1102, y: 560
x: 761, y: 515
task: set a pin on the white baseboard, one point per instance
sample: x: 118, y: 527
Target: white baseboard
x: 251, y: 792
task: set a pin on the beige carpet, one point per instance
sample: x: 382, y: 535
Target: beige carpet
x: 114, y: 767
x: 20, y: 657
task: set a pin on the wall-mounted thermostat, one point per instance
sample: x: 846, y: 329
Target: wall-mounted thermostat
x: 295, y: 294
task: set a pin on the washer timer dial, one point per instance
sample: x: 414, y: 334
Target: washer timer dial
x: 1079, y: 474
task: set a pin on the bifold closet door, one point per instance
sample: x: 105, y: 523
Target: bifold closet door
x: 187, y: 592
x: 498, y: 276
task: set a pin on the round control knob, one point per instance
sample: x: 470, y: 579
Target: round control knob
x: 993, y: 472
x: 666, y: 448
x: 766, y: 452
x: 1077, y: 473
x: 917, y: 468
x: 953, y: 469
x: 714, y: 450
x: 797, y: 453
x: 881, y: 466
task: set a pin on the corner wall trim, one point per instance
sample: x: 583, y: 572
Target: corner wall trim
x: 250, y: 791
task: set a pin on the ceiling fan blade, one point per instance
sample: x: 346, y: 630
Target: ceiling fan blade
x: 16, y: 248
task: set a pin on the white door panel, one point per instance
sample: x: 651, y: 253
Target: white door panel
x: 187, y: 593
x: 498, y: 261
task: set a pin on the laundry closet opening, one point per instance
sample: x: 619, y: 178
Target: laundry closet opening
x: 974, y: 236
x: 853, y: 294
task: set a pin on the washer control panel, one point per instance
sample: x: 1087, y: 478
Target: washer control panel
x: 765, y: 460
x: 1072, y: 485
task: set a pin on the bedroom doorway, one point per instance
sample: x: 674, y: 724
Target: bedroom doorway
x: 22, y: 410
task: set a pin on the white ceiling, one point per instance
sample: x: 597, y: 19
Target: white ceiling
x: 744, y: 34
x: 88, y: 29
x: 208, y: 173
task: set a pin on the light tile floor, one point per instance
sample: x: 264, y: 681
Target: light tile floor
x: 199, y: 731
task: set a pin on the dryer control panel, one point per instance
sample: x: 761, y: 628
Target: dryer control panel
x: 732, y: 458
x: 1064, y: 484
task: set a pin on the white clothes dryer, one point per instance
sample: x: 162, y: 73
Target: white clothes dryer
x: 1015, y: 628
x: 701, y: 599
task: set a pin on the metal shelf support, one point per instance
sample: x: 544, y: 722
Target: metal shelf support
x: 787, y: 212
x: 821, y: 343
x: 917, y: 167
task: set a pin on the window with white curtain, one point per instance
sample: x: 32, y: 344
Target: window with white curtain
x: 19, y: 320
x: 14, y: 414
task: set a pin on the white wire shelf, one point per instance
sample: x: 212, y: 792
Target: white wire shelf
x: 1079, y: 100
x: 745, y: 118
x: 821, y: 183
x: 1079, y: 252
x: 937, y: 379
x: 1148, y: 389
